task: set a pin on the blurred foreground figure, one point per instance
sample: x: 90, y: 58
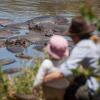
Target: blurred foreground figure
x: 85, y: 53
x: 58, y: 52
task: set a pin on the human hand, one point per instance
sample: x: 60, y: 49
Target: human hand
x: 53, y: 76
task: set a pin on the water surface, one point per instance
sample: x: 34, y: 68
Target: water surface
x: 21, y: 10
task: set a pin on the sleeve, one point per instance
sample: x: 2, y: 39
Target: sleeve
x: 41, y: 73
x: 77, y: 55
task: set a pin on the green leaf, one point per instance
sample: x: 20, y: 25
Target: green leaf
x: 87, y: 13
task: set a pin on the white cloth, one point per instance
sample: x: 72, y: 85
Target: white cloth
x: 86, y: 54
x: 93, y: 84
x: 46, y: 67
x: 98, y: 46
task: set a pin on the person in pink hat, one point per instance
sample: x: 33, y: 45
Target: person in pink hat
x: 58, y: 52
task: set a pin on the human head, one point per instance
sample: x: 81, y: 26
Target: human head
x: 57, y: 47
x: 80, y: 28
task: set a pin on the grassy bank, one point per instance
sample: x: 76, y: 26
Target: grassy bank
x: 22, y: 83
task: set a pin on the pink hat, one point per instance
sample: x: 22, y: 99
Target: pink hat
x: 57, y: 47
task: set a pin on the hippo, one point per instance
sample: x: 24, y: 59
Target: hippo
x: 4, y: 22
x: 5, y: 33
x: 48, y: 29
x: 8, y: 24
x: 15, y: 27
x: 58, y: 20
x: 40, y: 28
x: 6, y: 61
x: 35, y: 37
x: 49, y: 25
x: 40, y: 45
x: 38, y: 41
x: 2, y: 43
x: 37, y: 22
x: 16, y: 44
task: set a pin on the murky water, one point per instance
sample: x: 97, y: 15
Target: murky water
x: 23, y: 10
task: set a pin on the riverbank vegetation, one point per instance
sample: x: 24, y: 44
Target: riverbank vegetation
x: 21, y: 83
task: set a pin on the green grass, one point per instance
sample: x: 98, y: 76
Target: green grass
x: 89, y: 14
x: 22, y: 83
